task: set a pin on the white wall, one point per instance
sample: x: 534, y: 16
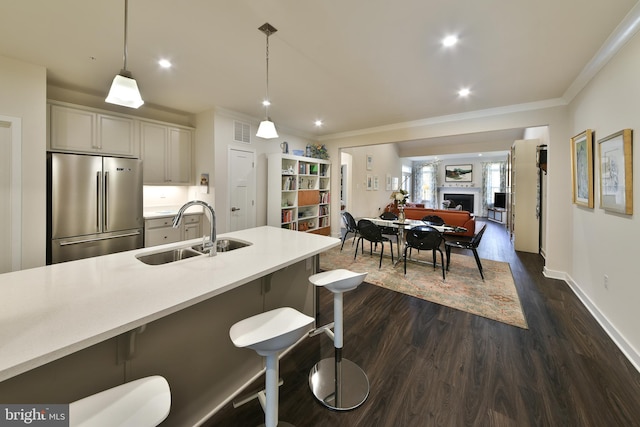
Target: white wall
x: 365, y: 202
x: 605, y: 243
x: 24, y: 95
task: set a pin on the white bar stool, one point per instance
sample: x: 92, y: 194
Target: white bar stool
x: 338, y: 383
x: 267, y: 334
x: 140, y: 403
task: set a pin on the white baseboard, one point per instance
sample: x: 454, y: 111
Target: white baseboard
x: 627, y: 349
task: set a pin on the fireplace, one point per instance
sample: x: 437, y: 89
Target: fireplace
x: 466, y: 200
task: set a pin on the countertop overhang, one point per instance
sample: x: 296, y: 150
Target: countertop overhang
x: 49, y: 312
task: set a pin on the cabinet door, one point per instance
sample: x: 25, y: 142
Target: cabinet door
x: 72, y: 129
x: 179, y: 156
x: 116, y: 135
x: 154, y: 143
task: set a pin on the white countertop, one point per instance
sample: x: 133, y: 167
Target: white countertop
x: 50, y: 312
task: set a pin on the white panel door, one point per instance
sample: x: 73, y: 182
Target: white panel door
x: 242, y: 190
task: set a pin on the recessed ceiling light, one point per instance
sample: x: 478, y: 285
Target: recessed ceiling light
x: 464, y: 92
x: 164, y: 63
x: 318, y: 123
x: 449, y: 41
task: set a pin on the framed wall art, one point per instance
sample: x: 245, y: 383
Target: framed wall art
x: 369, y: 182
x: 369, y: 162
x: 616, y: 172
x: 375, y: 182
x: 388, y: 181
x: 458, y: 173
x: 582, y: 168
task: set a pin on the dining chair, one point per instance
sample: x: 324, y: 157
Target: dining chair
x: 389, y: 231
x: 351, y: 226
x: 470, y: 244
x: 371, y: 232
x: 424, y: 238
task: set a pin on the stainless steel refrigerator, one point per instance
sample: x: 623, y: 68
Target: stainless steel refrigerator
x: 94, y: 206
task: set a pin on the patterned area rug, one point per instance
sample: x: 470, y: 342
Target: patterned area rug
x: 496, y: 298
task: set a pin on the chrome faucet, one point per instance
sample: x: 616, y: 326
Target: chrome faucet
x: 211, y: 244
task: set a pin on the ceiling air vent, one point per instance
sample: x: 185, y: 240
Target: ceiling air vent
x: 241, y: 132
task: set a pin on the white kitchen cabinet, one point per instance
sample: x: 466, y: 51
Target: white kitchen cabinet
x: 78, y: 130
x: 159, y: 231
x: 167, y: 154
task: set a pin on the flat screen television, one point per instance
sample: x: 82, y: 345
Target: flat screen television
x: 500, y: 200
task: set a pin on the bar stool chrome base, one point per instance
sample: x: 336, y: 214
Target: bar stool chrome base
x: 346, y: 390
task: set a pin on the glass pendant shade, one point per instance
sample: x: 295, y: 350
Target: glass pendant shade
x: 124, y: 91
x: 267, y: 129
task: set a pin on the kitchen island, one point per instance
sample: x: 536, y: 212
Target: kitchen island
x: 113, y: 317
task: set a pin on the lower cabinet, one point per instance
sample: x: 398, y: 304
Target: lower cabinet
x: 159, y: 231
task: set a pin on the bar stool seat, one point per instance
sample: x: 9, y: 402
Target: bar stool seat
x: 267, y: 334
x: 336, y: 382
x: 140, y: 403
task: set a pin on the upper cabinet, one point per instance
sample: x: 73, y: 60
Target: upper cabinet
x: 165, y: 149
x: 84, y: 131
x: 167, y: 154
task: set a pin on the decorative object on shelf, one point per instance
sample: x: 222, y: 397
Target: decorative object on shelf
x: 458, y: 173
x: 317, y: 151
x: 582, y: 168
x: 298, y: 152
x: 267, y: 128
x: 285, y: 147
x: 616, y: 172
x: 124, y: 89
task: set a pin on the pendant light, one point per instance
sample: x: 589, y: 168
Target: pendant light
x: 267, y: 128
x: 124, y: 89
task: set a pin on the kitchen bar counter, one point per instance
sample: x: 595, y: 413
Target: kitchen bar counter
x: 49, y: 312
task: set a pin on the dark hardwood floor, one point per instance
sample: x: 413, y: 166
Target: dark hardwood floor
x: 429, y: 365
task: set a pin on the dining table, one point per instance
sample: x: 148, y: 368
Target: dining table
x: 408, y: 224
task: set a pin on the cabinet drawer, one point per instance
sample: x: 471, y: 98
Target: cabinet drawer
x: 160, y: 236
x: 159, y: 222
x: 191, y: 219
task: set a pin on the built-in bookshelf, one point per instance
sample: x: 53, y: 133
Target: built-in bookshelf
x: 299, y: 193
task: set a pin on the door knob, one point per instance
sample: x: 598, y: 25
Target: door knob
x: 233, y: 209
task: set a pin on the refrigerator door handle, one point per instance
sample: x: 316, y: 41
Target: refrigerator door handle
x: 97, y: 203
x: 105, y: 200
x: 136, y: 233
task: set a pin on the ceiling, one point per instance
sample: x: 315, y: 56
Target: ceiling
x: 354, y: 64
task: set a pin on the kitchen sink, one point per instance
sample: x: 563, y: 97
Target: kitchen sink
x: 224, y: 245
x: 165, y: 257
x: 173, y: 255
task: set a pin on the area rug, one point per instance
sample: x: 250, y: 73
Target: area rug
x: 496, y: 298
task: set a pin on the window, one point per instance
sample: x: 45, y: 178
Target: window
x: 425, y: 184
x: 494, y: 181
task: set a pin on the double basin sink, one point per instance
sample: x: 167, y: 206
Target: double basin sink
x: 177, y: 254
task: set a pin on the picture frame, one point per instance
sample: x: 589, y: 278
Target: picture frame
x: 369, y: 182
x: 616, y: 172
x: 394, y: 183
x: 388, y: 183
x: 369, y: 162
x: 582, y: 168
x: 458, y: 173
x: 375, y: 182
